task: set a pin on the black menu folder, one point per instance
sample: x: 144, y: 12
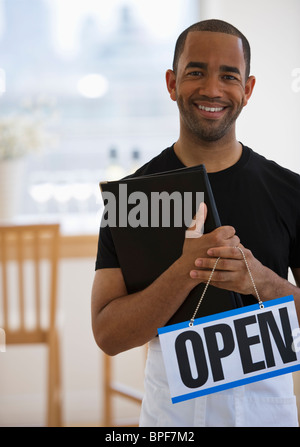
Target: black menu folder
x: 146, y: 251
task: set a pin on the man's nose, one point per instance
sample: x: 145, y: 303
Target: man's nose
x: 211, y: 87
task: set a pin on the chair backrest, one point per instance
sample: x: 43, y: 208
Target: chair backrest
x: 28, y: 282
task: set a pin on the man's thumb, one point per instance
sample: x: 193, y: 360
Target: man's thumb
x: 196, y: 229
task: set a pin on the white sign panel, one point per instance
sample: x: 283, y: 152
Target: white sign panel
x: 231, y: 348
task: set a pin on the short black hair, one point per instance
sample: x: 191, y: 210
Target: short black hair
x: 215, y: 26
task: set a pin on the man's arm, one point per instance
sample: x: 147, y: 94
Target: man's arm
x: 122, y: 321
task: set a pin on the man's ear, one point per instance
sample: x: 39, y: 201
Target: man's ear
x: 249, y: 86
x: 171, y: 84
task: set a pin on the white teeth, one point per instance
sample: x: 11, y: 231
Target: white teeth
x: 211, y: 109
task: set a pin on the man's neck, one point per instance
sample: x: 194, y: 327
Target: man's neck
x: 216, y: 156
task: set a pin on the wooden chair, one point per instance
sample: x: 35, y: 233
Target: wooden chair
x: 114, y: 388
x: 28, y: 257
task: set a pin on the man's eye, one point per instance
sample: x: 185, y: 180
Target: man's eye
x: 229, y: 77
x: 195, y: 73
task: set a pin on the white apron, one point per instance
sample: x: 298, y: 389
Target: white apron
x: 268, y: 403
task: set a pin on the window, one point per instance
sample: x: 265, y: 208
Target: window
x: 99, y: 67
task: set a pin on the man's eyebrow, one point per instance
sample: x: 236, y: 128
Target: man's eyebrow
x: 230, y: 69
x: 203, y: 65
x: 196, y: 65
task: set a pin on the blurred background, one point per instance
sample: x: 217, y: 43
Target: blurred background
x: 83, y: 99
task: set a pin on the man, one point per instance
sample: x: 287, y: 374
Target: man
x: 258, y: 202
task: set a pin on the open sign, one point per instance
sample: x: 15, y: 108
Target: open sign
x: 230, y: 349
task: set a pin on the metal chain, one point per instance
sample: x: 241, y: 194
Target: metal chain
x: 261, y: 305
x: 191, y: 323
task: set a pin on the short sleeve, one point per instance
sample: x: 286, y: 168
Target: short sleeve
x: 295, y: 249
x: 106, y: 255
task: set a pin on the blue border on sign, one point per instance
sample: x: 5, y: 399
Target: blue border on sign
x: 228, y: 313
x: 226, y: 386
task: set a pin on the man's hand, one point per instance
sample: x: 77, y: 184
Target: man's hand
x: 231, y: 272
x: 197, y: 244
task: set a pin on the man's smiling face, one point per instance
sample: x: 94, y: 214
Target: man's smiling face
x: 210, y: 86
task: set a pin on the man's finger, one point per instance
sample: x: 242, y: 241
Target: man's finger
x: 196, y: 229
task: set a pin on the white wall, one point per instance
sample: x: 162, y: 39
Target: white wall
x: 270, y: 122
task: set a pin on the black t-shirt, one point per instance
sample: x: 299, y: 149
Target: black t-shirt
x: 259, y: 198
